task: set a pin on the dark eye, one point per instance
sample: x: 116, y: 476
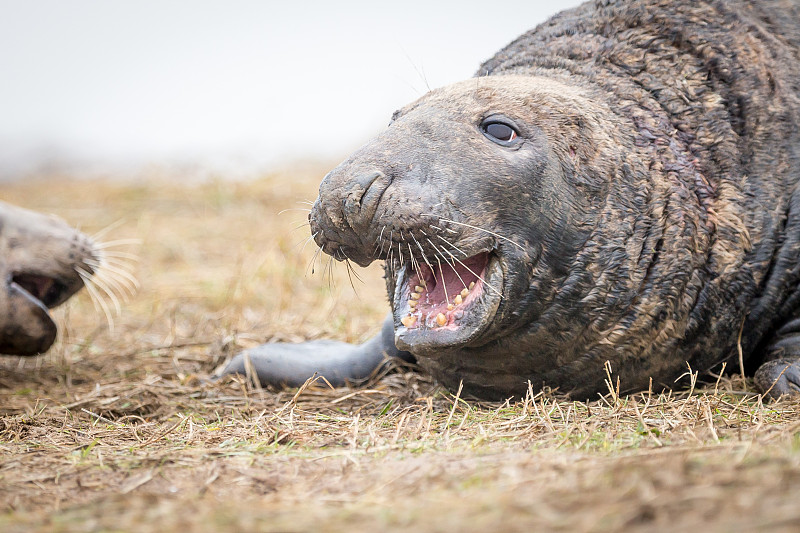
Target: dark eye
x: 499, y: 131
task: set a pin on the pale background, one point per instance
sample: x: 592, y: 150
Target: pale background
x: 234, y: 88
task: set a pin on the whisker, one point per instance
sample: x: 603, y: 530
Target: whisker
x: 282, y: 211
x: 121, y: 255
x: 414, y: 262
x: 119, y: 263
x: 303, y: 225
x: 97, y: 236
x: 379, y: 241
x: 122, y: 262
x: 125, y: 276
x: 476, y: 228
x: 422, y: 251
x: 453, y: 246
x: 443, y: 229
x: 451, y: 264
x: 100, y: 283
x: 331, y: 281
x: 121, y: 290
x: 118, y: 242
x: 96, y: 298
x: 444, y: 285
x: 313, y: 261
x: 308, y: 239
x: 351, y: 272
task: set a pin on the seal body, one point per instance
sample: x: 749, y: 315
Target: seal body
x: 43, y: 262
x: 616, y: 187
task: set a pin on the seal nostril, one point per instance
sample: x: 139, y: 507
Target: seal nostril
x: 357, y: 189
x: 361, y: 197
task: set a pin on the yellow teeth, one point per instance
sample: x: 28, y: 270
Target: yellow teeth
x: 457, y: 300
x: 471, y: 285
x: 441, y: 319
x: 464, y: 293
x: 408, y: 321
x: 415, y: 296
x: 412, y: 303
x: 450, y: 307
x: 417, y: 288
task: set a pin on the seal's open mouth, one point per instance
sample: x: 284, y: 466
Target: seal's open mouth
x: 46, y: 290
x: 446, y: 304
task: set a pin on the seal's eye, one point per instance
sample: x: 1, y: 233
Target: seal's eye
x: 499, y: 132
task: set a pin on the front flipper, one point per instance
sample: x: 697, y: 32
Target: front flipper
x: 290, y: 365
x: 780, y: 374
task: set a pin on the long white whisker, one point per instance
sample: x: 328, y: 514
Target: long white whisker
x: 121, y: 255
x: 118, y: 242
x: 97, y: 236
x: 103, y: 261
x: 120, y: 261
x: 331, y: 282
x: 308, y: 240
x: 313, y: 261
x: 100, y: 283
x: 89, y: 284
x: 123, y: 290
x: 453, y: 246
x: 422, y: 251
x: 131, y: 281
x: 451, y: 264
x: 443, y: 229
x: 476, y: 228
x: 414, y: 262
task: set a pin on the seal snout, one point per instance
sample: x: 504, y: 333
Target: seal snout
x: 43, y: 262
x: 342, y: 217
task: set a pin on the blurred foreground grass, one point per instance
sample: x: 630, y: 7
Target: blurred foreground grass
x: 122, y: 431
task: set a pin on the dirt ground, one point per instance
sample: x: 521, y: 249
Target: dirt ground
x: 120, y: 430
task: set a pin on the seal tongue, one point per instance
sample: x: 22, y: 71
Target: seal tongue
x: 438, y: 297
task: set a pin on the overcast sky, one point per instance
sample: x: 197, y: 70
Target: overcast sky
x: 235, y: 86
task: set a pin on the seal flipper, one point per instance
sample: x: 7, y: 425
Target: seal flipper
x: 290, y: 365
x: 780, y: 373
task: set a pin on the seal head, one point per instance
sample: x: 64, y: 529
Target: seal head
x: 476, y: 200
x: 41, y: 259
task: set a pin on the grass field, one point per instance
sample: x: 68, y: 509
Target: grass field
x: 121, y: 430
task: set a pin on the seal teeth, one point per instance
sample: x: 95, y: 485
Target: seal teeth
x: 471, y: 285
x: 465, y: 292
x: 458, y: 300
x: 409, y: 321
x: 415, y: 296
x: 441, y: 319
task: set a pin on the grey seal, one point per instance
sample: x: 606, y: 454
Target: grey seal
x: 617, y: 186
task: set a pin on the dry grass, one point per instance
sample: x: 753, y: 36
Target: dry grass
x: 123, y: 431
